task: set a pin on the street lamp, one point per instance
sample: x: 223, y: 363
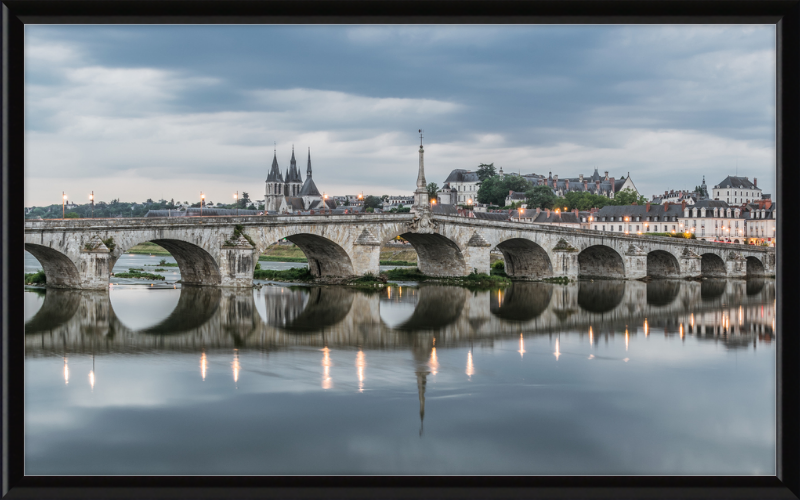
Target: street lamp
x: 91, y: 197
x: 236, y: 197
x: 202, y: 200
x: 63, y: 202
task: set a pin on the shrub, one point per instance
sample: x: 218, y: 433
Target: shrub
x: 293, y: 274
x: 37, y: 278
x: 499, y: 265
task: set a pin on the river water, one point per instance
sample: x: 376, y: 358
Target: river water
x: 603, y: 377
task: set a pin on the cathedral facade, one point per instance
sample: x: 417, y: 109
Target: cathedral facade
x: 289, y: 193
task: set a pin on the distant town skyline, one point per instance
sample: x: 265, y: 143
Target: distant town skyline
x: 138, y: 112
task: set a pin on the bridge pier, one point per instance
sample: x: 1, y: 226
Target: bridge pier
x: 366, y: 254
x: 736, y: 265
x: 476, y: 254
x: 635, y: 260
x: 565, y: 260
x: 237, y: 263
x: 94, y: 265
x: 690, y: 264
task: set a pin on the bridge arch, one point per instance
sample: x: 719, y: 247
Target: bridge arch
x: 197, y: 266
x: 600, y: 296
x: 325, y: 256
x: 436, y: 307
x: 523, y: 301
x: 59, y: 270
x: 662, y: 293
x: 662, y: 264
x: 600, y: 261
x: 712, y: 266
x: 525, y: 259
x: 437, y: 255
x: 755, y: 267
x: 306, y: 310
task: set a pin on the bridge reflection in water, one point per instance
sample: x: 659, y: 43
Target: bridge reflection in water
x: 735, y: 313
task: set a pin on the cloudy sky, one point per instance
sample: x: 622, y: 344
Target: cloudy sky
x: 137, y: 112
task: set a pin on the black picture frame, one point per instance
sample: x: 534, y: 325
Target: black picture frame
x: 16, y: 13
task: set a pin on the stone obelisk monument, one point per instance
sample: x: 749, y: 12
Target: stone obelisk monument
x: 421, y: 202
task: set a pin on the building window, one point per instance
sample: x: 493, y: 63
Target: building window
x: 595, y: 227
x: 604, y: 227
x: 620, y: 228
x: 637, y: 228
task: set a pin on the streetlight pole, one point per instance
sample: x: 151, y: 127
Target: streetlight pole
x: 202, y: 199
x: 91, y: 197
x: 236, y: 197
x: 63, y: 202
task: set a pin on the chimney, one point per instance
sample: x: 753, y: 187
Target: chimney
x: 611, y: 180
x: 755, y: 181
x: 576, y: 212
x: 510, y: 192
x: 767, y: 203
x: 585, y: 186
x: 666, y: 206
x: 647, y: 207
x: 683, y: 205
x: 635, y: 203
x: 606, y: 175
x: 555, y: 177
x: 666, y: 193
x: 566, y: 184
x: 538, y: 210
x: 548, y: 212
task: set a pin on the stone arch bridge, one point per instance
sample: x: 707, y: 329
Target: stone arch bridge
x: 81, y: 253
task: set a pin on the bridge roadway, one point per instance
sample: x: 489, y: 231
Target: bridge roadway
x: 80, y: 253
x: 209, y: 319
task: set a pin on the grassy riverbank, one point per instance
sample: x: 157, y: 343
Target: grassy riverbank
x: 292, y: 253
x: 138, y: 274
x: 472, y: 281
x: 148, y: 248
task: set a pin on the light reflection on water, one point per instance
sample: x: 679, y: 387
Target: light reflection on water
x: 585, y: 378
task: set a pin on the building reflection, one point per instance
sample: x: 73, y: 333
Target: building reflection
x: 737, y: 314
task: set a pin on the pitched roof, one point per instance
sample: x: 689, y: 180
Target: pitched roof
x: 309, y: 188
x: 737, y: 182
x: 556, y: 217
x: 491, y: 215
x: 461, y: 175
x: 444, y: 209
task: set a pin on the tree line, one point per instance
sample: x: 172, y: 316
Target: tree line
x: 117, y: 208
x: 494, y: 189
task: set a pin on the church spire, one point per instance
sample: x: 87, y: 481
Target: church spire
x: 275, y: 171
x: 308, y: 170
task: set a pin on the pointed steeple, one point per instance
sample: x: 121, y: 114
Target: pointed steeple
x: 308, y: 170
x: 292, y: 162
x: 275, y: 172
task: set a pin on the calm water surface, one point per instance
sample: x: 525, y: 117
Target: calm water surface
x: 667, y: 377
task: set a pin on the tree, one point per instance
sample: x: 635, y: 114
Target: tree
x: 493, y: 190
x: 244, y: 200
x: 372, y: 202
x: 72, y: 215
x: 540, y: 197
x: 486, y: 170
x: 385, y: 197
x: 628, y: 197
x: 432, y: 189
